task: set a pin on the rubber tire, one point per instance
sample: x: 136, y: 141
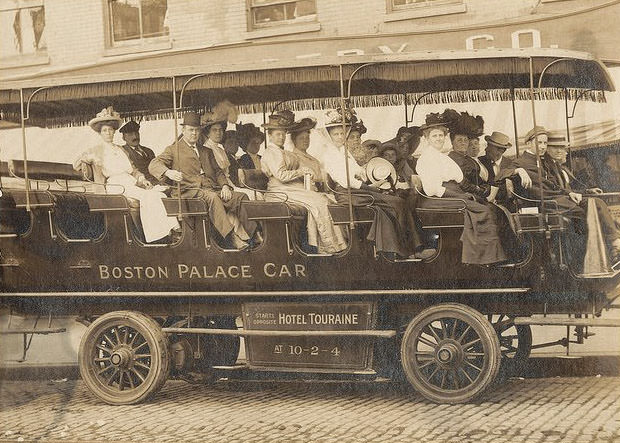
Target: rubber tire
x: 484, y: 330
x: 160, y: 361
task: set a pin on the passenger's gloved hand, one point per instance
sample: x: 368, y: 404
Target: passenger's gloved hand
x: 594, y: 191
x: 174, y: 175
x: 575, y: 197
x: 526, y: 181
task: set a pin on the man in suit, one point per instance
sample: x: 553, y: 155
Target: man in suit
x: 139, y: 156
x: 195, y: 168
x: 554, y: 186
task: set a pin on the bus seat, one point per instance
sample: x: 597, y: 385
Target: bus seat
x: 46, y: 171
x: 4, y: 169
x: 439, y: 212
x: 106, y: 202
x: 35, y: 197
x: 189, y: 206
x: 74, y: 217
x: 361, y: 214
x: 256, y: 180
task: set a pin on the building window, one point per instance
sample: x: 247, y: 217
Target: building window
x: 135, y: 21
x: 398, y: 5
x: 22, y: 25
x: 266, y: 13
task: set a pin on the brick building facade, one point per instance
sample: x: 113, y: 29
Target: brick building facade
x: 50, y: 35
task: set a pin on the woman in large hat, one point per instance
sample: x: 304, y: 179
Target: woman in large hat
x: 113, y: 165
x: 394, y: 230
x: 441, y: 176
x: 288, y: 173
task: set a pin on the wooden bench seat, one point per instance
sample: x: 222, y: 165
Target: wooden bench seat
x: 189, y: 206
x: 47, y: 171
x: 361, y: 214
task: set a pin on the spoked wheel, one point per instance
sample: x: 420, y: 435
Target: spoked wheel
x: 123, y: 357
x: 515, y: 341
x: 450, y: 353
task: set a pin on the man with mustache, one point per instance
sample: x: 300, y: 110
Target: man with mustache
x: 139, y: 156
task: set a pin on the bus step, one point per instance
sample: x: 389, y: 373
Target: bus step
x: 546, y: 321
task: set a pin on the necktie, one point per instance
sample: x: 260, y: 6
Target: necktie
x: 495, y: 167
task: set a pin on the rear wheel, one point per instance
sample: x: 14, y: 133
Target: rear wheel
x: 515, y: 341
x: 450, y: 353
x: 123, y: 357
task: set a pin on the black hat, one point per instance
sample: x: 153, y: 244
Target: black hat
x: 434, y: 119
x: 129, y: 126
x: 191, y: 119
x: 465, y: 124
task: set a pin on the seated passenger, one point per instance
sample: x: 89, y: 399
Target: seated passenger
x: 231, y: 146
x: 397, y: 158
x: 394, y: 230
x: 250, y: 138
x: 461, y: 127
x: 115, y: 166
x: 195, y: 169
x: 358, y: 150
x: 286, y: 171
x: 139, y: 156
x: 571, y: 204
x: 553, y: 163
x: 442, y: 177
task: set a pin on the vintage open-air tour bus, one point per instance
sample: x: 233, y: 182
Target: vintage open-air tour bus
x: 156, y: 311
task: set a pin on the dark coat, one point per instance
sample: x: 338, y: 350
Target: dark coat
x: 246, y: 162
x: 186, y: 161
x: 486, y: 161
x: 472, y: 183
x: 141, y: 160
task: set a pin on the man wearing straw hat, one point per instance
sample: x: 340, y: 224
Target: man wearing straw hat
x: 194, y: 167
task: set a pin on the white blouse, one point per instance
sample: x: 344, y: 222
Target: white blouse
x: 435, y: 168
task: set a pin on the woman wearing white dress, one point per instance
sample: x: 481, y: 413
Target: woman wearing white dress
x: 116, y: 169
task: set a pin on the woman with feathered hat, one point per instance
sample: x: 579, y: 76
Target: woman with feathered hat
x: 287, y: 170
x: 112, y: 162
x: 441, y: 176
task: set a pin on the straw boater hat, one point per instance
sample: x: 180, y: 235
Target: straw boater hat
x: 282, y: 119
x: 499, y: 140
x: 333, y: 117
x: 379, y: 169
x: 305, y: 124
x: 434, y: 120
x: 129, y: 126
x: 557, y: 141
x: 107, y: 116
x: 535, y: 132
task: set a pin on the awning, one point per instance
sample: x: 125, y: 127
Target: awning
x: 134, y: 88
x: 594, y: 135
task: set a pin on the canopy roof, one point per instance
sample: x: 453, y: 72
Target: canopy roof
x: 133, y: 87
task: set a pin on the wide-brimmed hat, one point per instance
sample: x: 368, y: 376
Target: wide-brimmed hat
x: 106, y: 116
x: 535, y: 132
x: 333, y: 117
x: 464, y: 124
x: 498, y: 139
x: 246, y: 132
x: 191, y: 119
x: 434, y: 120
x: 359, y: 127
x: 371, y: 144
x: 305, y: 124
x: 388, y: 145
x: 282, y: 119
x: 129, y: 126
x: 379, y: 169
x: 211, y: 118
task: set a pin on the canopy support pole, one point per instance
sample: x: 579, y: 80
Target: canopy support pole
x: 346, y: 150
x: 264, y: 123
x: 570, y: 150
x: 417, y: 102
x: 24, y: 150
x: 406, y: 110
x: 538, y: 162
x: 176, y: 135
x: 514, y: 119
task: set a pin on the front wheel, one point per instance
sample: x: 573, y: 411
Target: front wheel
x: 123, y: 357
x: 450, y: 353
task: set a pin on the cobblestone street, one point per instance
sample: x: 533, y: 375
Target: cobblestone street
x: 567, y: 409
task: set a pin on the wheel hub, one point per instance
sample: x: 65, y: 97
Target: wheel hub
x: 447, y: 353
x: 121, y: 357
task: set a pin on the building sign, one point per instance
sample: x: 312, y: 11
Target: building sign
x: 311, y: 352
